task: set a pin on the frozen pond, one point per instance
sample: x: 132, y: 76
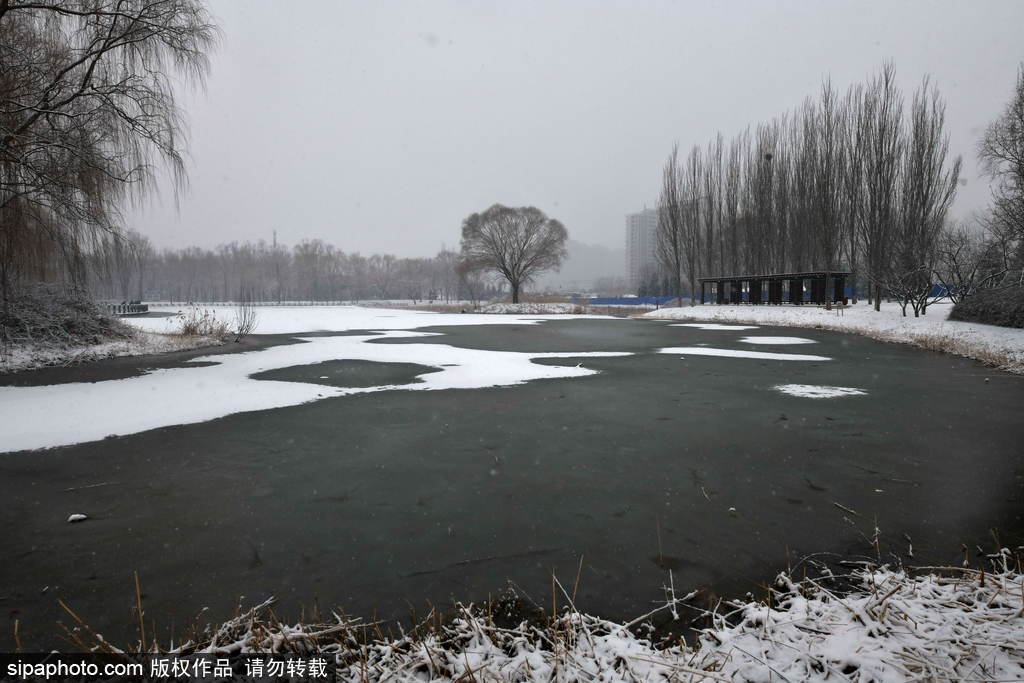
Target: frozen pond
x: 396, y: 463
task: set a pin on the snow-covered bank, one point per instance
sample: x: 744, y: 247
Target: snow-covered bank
x: 298, y: 319
x: 1001, y: 347
x: 31, y: 356
x: 954, y: 624
x: 530, y: 308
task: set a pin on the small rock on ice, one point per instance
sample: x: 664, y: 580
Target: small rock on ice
x: 77, y: 517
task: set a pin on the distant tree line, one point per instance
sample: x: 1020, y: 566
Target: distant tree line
x: 312, y: 270
x: 860, y: 181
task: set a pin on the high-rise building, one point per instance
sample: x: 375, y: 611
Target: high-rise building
x: 641, y: 244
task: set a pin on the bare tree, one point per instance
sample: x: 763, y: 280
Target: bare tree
x: 829, y: 170
x: 927, y: 188
x: 732, y: 187
x: 883, y: 150
x: 853, y: 141
x: 1001, y: 152
x: 967, y: 261
x: 86, y: 108
x: 669, y: 244
x: 690, y: 213
x: 517, y: 243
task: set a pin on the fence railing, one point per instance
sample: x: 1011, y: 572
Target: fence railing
x: 123, y: 308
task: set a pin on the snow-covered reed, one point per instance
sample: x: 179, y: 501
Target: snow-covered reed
x: 886, y: 625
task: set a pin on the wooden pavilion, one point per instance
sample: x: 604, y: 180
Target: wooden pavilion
x: 794, y: 288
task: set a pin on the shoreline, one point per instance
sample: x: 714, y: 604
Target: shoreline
x: 1001, y: 348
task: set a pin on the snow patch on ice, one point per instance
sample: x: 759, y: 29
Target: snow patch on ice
x: 714, y: 326
x: 817, y: 391
x: 730, y: 353
x: 777, y: 340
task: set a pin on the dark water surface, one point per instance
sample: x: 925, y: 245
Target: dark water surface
x: 380, y: 501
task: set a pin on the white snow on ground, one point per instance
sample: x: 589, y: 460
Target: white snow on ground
x: 999, y: 346
x: 777, y: 340
x: 891, y: 627
x: 817, y: 391
x: 532, y: 308
x: 713, y: 326
x: 729, y: 353
x: 298, y: 319
x: 82, y: 412
x: 29, y: 357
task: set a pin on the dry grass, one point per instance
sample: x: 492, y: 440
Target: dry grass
x: 201, y: 322
x: 949, y: 623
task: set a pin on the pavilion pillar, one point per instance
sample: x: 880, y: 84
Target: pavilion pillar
x: 796, y: 291
x: 755, y: 291
x: 818, y: 290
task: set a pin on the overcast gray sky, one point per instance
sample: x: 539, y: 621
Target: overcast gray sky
x: 378, y: 126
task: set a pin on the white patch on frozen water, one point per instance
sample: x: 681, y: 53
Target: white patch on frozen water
x: 816, y: 391
x: 762, y: 355
x: 715, y: 326
x: 88, y: 411
x: 777, y: 340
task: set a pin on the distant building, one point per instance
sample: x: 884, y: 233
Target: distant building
x: 641, y: 241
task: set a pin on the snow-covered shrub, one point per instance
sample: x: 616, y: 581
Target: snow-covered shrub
x: 245, y: 320
x: 1004, y: 307
x: 49, y: 314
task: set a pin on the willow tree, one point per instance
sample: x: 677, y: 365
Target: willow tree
x: 517, y: 243
x: 87, y: 114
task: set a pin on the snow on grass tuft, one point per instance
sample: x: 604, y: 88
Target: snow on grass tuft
x: 1000, y: 347
x: 730, y: 353
x: 816, y: 391
x: 777, y: 340
x: 950, y: 624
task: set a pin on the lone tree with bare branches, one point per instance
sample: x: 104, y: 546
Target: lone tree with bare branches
x: 517, y: 243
